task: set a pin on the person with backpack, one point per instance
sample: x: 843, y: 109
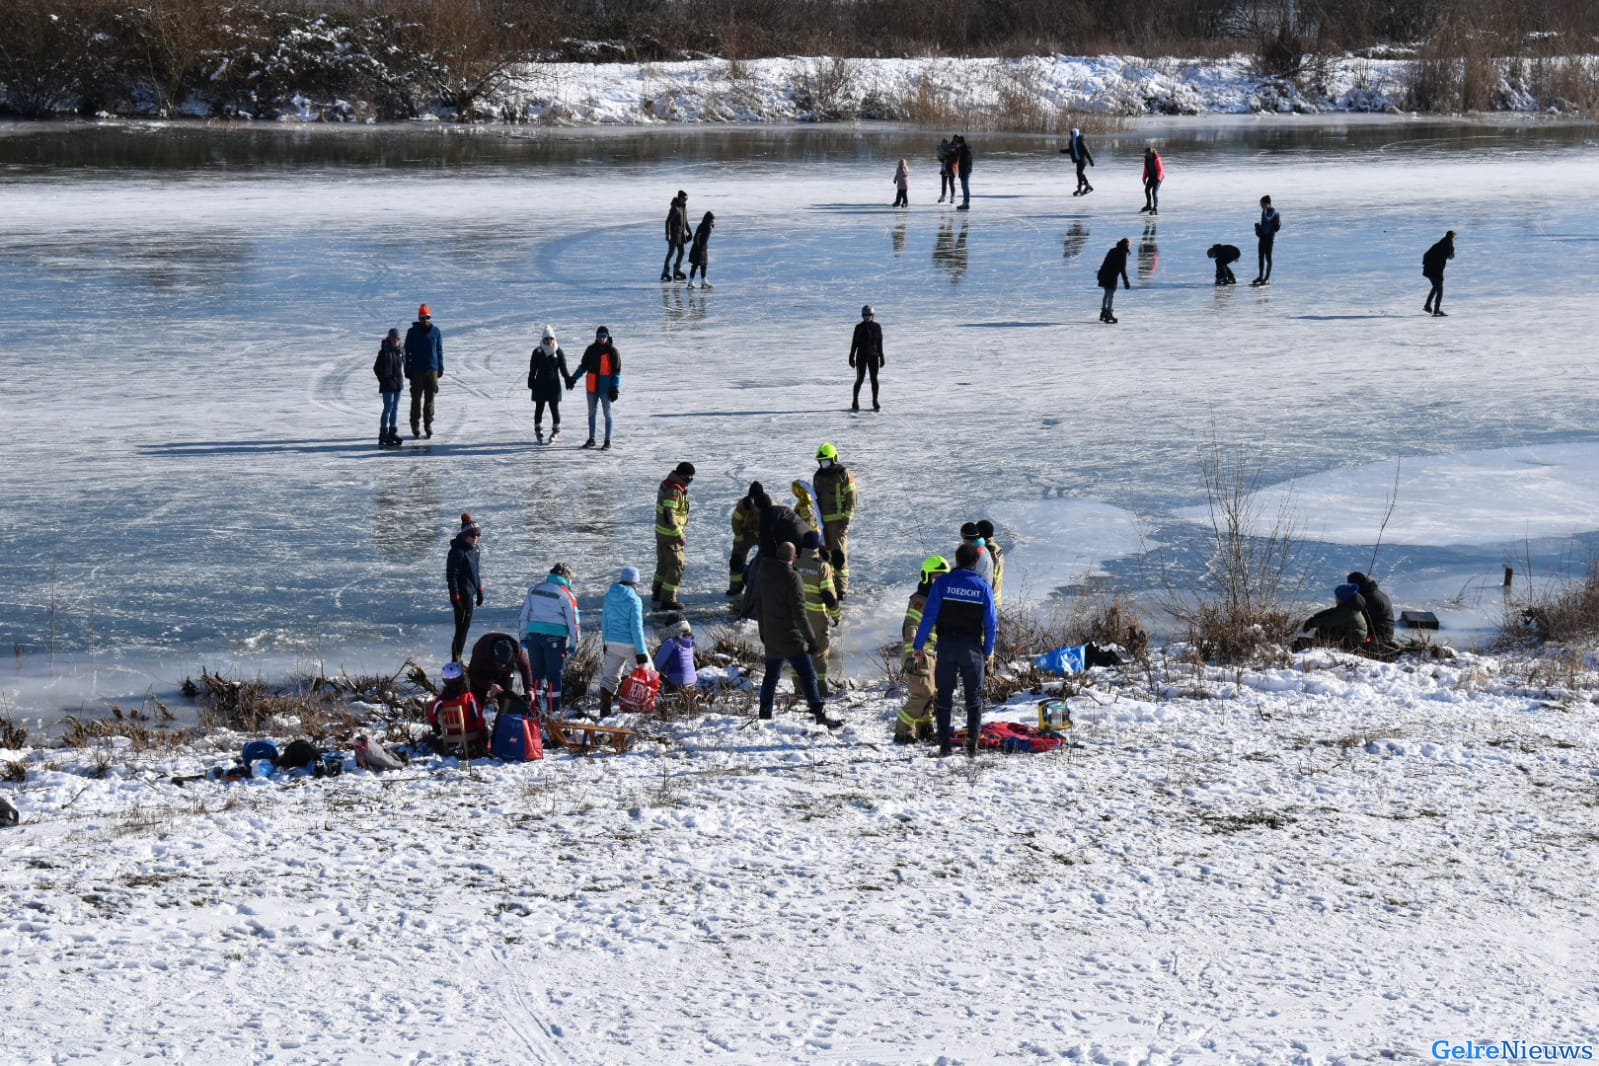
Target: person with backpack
x: 946, y: 170
x: 786, y: 635
x: 1154, y: 174
x: 622, y: 630
x: 699, y: 252
x: 678, y: 234
x: 463, y: 577
x: 902, y: 185
x: 601, y: 370
x: 424, y: 366
x: 496, y: 662
x: 1225, y: 256
x: 963, y: 168
x: 866, y: 355
x: 546, y: 377
x: 835, y: 497
x: 916, y: 716
x: 1114, y: 266
x: 961, y: 611
x: 390, y: 370
x: 1077, y: 148
x: 671, y: 536
x: 1266, y: 234
x: 746, y: 535
x: 551, y: 628
x: 1432, y: 268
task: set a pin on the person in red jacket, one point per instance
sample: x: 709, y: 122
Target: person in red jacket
x: 1154, y: 174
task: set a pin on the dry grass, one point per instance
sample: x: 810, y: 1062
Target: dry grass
x: 1567, y: 613
x: 11, y: 734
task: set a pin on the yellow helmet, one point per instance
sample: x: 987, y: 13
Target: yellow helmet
x: 934, y: 565
x: 827, y: 451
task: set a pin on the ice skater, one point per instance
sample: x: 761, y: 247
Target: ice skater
x: 699, y: 252
x: 1432, y: 268
x: 546, y: 377
x: 946, y: 170
x: 1077, y: 148
x: 463, y: 577
x: 1225, y: 256
x: 1265, y: 234
x: 1114, y: 266
x: 963, y: 168
x: 866, y: 355
x: 390, y: 370
x: 902, y: 185
x: 424, y: 366
x: 1154, y: 174
x: 678, y: 235
x: 601, y: 370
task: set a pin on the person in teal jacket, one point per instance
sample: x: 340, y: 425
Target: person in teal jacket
x: 622, y: 630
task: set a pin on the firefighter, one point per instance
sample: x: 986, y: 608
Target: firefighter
x: 746, y: 534
x: 821, y: 602
x: 835, y: 498
x: 671, y: 528
x: 916, y: 717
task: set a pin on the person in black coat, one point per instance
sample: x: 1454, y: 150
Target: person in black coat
x: 866, y: 355
x: 464, y: 579
x: 963, y: 170
x: 1114, y: 266
x: 1379, y: 608
x: 1077, y: 148
x: 1432, y: 268
x: 1225, y: 255
x: 678, y: 234
x: 390, y: 370
x: 778, y: 524
x: 699, y: 252
x: 547, y: 376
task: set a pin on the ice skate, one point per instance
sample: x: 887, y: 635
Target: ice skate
x: 589, y: 443
x: 605, y: 447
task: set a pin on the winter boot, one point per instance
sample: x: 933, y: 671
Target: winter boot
x: 589, y: 443
x: 819, y: 712
x: 605, y: 703
x: 427, y: 431
x: 971, y: 748
x: 655, y: 593
x: 605, y: 447
x: 415, y: 430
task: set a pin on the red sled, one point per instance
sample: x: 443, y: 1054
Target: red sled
x: 517, y: 738
x: 638, y: 693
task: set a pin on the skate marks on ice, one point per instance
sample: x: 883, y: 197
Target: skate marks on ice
x: 355, y: 446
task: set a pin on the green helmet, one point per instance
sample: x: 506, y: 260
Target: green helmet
x: 827, y: 451
x: 934, y: 565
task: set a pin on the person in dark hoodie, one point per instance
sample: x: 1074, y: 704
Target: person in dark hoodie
x: 1225, y: 256
x: 963, y: 170
x: 464, y: 579
x: 546, y: 376
x: 1343, y: 624
x: 601, y: 370
x: 1432, y: 268
x: 424, y: 366
x: 1114, y: 266
x: 390, y: 370
x: 1379, y: 608
x: 678, y: 234
x: 1265, y: 238
x: 1077, y: 148
x: 866, y: 355
x: 786, y: 634
x: 699, y: 252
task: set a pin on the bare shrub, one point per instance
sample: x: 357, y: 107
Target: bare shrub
x: 580, y: 669
x: 13, y: 770
x: 826, y: 89
x: 1566, y: 613
x: 731, y: 646
x: 48, y: 50
x: 11, y: 734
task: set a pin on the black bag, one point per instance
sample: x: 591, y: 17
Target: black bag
x: 299, y: 755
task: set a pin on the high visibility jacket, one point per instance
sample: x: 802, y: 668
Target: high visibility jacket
x: 804, y: 504
x: 671, y: 508
x: 820, y: 599
x: 835, y: 493
x: 746, y: 522
x: 913, y: 622
x: 998, y: 580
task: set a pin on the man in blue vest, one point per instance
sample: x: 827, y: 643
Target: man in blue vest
x: 960, y: 609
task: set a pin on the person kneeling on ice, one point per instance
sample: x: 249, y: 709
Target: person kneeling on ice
x: 622, y: 629
x: 1343, y: 624
x: 456, y: 717
x: 551, y: 630
x: 960, y: 609
x: 786, y: 634
x: 674, y: 660
x: 1225, y: 256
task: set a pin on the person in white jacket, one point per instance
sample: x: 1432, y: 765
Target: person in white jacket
x: 551, y: 630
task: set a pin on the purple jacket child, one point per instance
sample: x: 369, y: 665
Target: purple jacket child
x: 675, y: 659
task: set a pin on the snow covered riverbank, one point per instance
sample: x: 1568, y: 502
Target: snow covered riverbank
x: 1341, y: 861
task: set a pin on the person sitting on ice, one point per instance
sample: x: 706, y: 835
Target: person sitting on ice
x: 1343, y: 624
x: 675, y: 659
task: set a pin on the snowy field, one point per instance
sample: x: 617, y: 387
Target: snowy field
x: 1343, y: 862
x: 190, y: 476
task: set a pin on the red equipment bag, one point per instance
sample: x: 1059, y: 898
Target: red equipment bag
x: 637, y: 694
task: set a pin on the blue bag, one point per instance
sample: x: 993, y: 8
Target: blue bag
x: 517, y: 738
x: 1066, y: 659
x: 260, y: 749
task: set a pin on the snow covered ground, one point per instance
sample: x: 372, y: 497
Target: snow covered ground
x: 190, y: 478
x: 1338, y: 862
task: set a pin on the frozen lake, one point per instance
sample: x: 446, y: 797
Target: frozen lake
x: 191, y: 315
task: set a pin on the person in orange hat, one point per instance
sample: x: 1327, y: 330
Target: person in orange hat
x: 424, y: 366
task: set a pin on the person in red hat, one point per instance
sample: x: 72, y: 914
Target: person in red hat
x: 424, y: 366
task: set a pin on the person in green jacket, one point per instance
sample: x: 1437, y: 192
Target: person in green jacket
x: 1343, y: 624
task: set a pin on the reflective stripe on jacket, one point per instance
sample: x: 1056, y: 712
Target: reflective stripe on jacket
x: 835, y: 493
x: 671, y: 508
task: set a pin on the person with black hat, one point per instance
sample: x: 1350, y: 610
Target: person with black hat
x: 601, y: 370
x: 1266, y: 237
x: 1379, y: 608
x: 1432, y: 268
x: 699, y: 254
x: 424, y: 366
x: 1225, y: 256
x: 985, y: 562
x: 390, y: 370
x: 678, y: 234
x: 671, y: 536
x: 497, y: 660
x: 464, y: 579
x: 960, y: 611
x: 866, y: 354
x: 746, y: 535
x: 1114, y: 266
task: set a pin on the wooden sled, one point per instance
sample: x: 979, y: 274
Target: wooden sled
x: 586, y: 737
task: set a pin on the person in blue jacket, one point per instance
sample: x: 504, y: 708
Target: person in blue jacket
x: 674, y: 659
x: 424, y: 366
x: 622, y: 630
x: 960, y: 609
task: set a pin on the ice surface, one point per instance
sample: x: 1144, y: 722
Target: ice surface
x: 190, y: 476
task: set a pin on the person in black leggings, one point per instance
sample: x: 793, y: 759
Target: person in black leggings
x: 866, y: 355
